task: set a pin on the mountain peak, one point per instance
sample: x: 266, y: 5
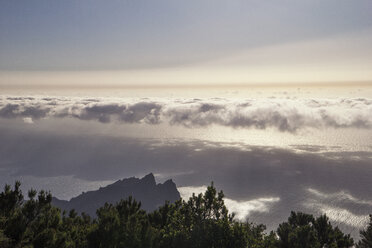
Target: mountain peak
x: 145, y: 190
x: 149, y: 178
x: 169, y: 182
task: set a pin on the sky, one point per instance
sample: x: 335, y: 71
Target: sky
x: 168, y: 42
x: 244, y: 93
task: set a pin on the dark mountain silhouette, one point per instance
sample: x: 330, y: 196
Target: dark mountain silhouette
x: 145, y: 190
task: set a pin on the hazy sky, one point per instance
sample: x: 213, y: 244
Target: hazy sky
x: 170, y: 42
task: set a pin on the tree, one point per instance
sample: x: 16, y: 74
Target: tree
x: 303, y: 230
x: 36, y: 223
x: 28, y: 223
x: 74, y: 230
x: 122, y: 225
x: 202, y: 221
x: 254, y: 236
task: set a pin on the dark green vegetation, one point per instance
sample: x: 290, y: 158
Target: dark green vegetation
x: 202, y: 221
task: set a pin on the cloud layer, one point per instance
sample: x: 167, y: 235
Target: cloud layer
x: 271, y: 179
x: 286, y: 115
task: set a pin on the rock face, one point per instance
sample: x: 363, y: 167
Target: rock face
x: 145, y: 190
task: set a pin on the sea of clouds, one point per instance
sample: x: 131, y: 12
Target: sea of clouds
x: 283, y: 114
x: 57, y: 143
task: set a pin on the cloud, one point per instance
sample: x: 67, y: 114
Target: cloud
x: 344, y: 216
x: 28, y: 120
x: 262, y: 183
x: 285, y: 115
x: 341, y: 207
x: 186, y: 192
x: 242, y: 209
x: 253, y: 178
x: 341, y: 196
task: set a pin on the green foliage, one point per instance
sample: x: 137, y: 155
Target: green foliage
x: 36, y: 223
x: 202, y: 221
x: 122, y: 225
x: 303, y: 230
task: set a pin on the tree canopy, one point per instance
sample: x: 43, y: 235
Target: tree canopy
x: 203, y: 221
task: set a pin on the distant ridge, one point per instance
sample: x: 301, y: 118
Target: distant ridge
x: 145, y: 190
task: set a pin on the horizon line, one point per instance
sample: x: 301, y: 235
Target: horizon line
x: 364, y: 83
